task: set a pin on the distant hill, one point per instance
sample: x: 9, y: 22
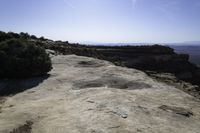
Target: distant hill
x: 192, y: 42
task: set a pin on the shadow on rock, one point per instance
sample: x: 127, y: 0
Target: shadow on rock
x: 177, y: 110
x: 26, y: 128
x: 14, y: 86
x: 112, y: 82
x: 90, y: 64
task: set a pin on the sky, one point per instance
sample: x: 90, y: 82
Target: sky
x: 104, y: 21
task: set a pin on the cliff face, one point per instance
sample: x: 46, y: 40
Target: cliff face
x: 153, y: 58
x: 86, y: 95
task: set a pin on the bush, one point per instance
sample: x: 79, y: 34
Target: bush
x: 4, y: 36
x: 22, y: 59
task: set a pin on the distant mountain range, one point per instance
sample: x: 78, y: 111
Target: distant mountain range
x: 192, y: 42
x: 142, y: 43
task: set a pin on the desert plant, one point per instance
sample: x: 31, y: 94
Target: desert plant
x: 24, y: 35
x: 22, y: 59
x: 4, y: 36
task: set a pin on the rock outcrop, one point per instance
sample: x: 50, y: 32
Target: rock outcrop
x: 153, y: 58
x: 146, y: 58
x: 86, y: 95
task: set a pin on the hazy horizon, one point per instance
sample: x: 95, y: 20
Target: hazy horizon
x: 104, y: 21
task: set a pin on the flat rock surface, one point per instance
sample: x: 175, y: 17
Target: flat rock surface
x: 86, y: 95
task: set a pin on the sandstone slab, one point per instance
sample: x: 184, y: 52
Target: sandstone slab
x: 86, y: 95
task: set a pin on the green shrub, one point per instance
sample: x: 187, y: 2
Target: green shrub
x: 22, y: 59
x: 4, y: 36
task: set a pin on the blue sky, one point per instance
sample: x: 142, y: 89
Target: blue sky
x: 111, y: 21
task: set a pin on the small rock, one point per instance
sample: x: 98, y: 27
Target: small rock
x: 120, y: 112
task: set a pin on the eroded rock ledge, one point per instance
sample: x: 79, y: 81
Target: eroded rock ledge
x: 86, y: 95
x: 146, y: 58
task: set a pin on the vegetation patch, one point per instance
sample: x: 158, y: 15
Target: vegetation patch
x: 20, y: 58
